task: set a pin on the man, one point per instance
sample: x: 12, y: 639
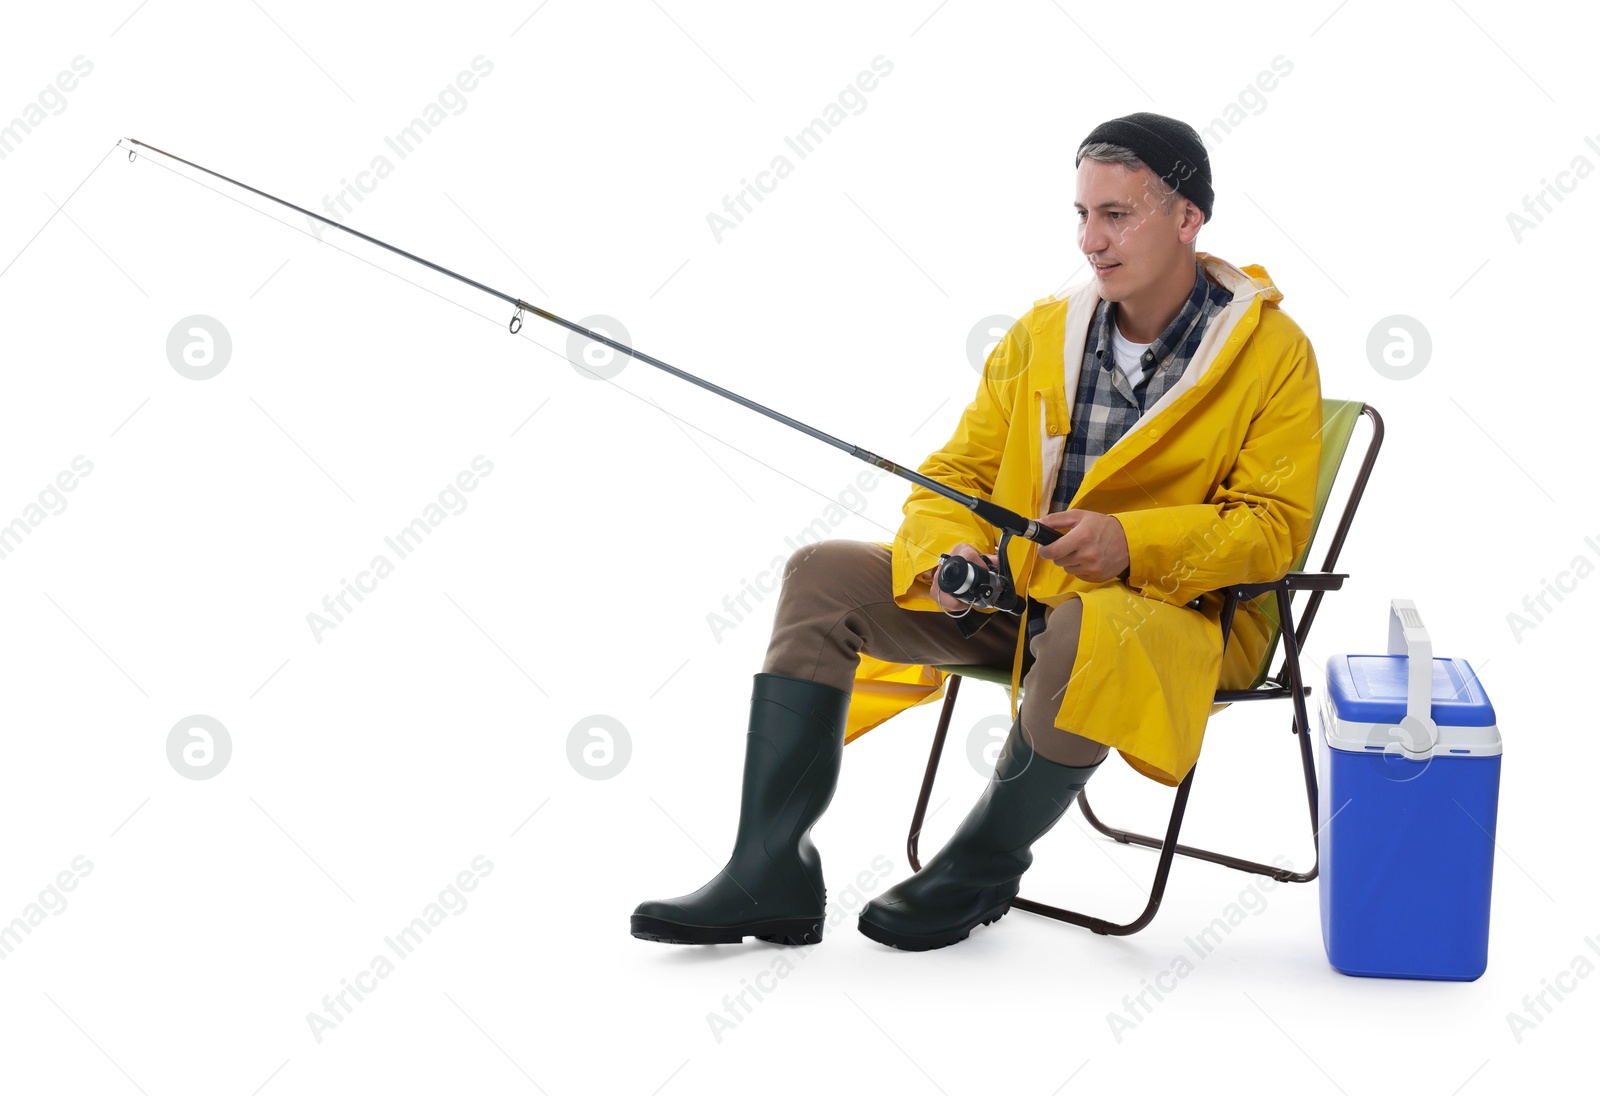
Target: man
x: 1165, y: 416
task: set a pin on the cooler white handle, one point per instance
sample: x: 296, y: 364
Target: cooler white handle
x: 1408, y: 636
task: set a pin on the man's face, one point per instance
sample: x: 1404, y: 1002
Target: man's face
x: 1130, y: 243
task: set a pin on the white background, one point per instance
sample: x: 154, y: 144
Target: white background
x: 433, y: 724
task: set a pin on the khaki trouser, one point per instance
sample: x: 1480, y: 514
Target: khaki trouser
x: 836, y: 602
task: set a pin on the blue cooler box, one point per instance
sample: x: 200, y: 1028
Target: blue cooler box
x: 1408, y: 791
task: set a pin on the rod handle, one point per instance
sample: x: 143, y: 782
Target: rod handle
x: 1014, y: 523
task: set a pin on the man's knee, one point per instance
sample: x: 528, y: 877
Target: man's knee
x: 1058, y: 642
x: 1054, y: 649
x: 831, y: 565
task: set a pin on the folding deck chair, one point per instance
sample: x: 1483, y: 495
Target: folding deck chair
x: 1338, y: 423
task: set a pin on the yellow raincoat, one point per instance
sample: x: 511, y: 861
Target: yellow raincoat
x: 1214, y: 484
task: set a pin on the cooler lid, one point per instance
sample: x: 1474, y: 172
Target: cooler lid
x: 1372, y: 689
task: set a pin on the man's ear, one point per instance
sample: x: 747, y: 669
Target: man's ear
x: 1189, y: 227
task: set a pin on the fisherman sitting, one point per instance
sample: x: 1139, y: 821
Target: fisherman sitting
x: 1164, y: 415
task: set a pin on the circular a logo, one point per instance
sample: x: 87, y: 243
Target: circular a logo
x: 596, y: 360
x: 1399, y: 347
x: 598, y: 747
x: 1391, y: 762
x: 199, y: 347
x: 983, y: 338
x: 985, y: 741
x: 198, y: 747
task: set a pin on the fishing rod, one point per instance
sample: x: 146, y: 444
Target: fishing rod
x: 957, y: 576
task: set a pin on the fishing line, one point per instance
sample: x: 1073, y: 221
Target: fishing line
x: 521, y: 335
x: 58, y: 208
x: 967, y: 581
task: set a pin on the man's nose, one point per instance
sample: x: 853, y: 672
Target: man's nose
x: 1092, y: 238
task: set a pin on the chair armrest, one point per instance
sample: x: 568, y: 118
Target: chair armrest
x: 1294, y: 580
x: 1316, y: 581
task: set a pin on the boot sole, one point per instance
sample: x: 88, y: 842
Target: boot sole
x: 775, y: 932
x: 929, y: 943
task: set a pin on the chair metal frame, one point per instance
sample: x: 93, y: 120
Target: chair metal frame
x: 1288, y: 683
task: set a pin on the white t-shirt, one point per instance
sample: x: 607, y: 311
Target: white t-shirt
x: 1129, y: 355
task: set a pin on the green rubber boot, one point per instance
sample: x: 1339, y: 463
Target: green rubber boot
x: 772, y: 886
x: 972, y: 880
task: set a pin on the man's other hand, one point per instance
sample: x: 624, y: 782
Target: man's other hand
x: 1092, y: 546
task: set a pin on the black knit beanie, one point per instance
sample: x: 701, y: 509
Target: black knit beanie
x: 1168, y: 147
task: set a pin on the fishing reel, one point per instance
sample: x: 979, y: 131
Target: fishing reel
x: 977, y: 585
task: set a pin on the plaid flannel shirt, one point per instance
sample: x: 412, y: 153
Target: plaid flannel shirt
x: 1107, y: 406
